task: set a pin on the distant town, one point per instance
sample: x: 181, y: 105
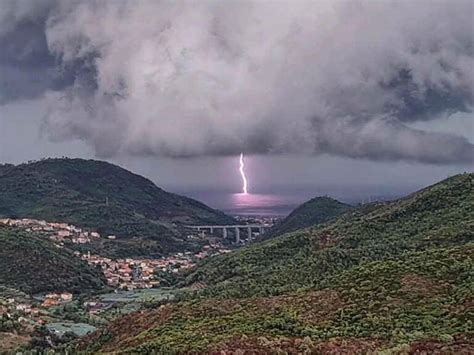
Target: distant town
x: 126, y: 274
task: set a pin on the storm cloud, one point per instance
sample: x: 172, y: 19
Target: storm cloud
x: 187, y: 78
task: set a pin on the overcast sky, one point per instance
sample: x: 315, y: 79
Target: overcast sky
x: 315, y: 93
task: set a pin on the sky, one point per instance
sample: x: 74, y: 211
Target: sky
x: 315, y: 93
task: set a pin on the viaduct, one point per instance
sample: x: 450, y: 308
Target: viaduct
x: 232, y: 227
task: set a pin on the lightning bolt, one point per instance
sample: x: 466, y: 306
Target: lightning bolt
x: 242, y: 174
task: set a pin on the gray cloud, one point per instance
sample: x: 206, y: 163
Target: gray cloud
x: 27, y: 68
x: 217, y: 78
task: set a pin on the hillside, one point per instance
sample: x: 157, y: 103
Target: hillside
x: 315, y: 211
x: 33, y: 264
x: 419, y: 302
x: 396, y: 278
x: 106, y: 198
x: 442, y: 214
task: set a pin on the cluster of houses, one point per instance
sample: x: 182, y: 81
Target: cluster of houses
x: 23, y: 312
x: 124, y: 274
x: 29, y: 311
x: 49, y: 300
x: 55, y: 299
x: 57, y: 232
x: 127, y: 274
x: 130, y: 273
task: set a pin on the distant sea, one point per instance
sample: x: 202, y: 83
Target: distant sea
x: 253, y: 204
x: 279, y: 205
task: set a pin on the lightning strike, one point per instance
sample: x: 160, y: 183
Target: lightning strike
x: 242, y: 174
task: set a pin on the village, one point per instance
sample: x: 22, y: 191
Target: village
x: 123, y: 274
x: 21, y: 311
x: 130, y: 273
x: 126, y: 274
x: 57, y: 232
x: 131, y: 281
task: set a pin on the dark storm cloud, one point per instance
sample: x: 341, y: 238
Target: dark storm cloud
x: 27, y: 68
x: 217, y: 78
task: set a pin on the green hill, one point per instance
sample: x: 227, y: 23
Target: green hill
x: 419, y: 302
x: 437, y: 216
x: 315, y: 211
x: 397, y: 278
x: 33, y: 264
x: 104, y: 197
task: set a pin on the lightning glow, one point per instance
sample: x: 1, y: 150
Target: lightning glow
x: 242, y: 174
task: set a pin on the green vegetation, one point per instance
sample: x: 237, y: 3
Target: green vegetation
x: 315, y: 211
x: 106, y: 198
x: 421, y: 298
x: 398, y: 277
x: 442, y: 215
x: 33, y: 264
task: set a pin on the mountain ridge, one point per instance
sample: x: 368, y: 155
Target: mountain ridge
x: 88, y: 193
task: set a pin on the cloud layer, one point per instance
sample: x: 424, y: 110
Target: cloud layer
x: 217, y: 78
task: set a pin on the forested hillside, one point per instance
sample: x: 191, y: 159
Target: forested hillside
x: 437, y: 216
x: 315, y: 211
x: 398, y: 278
x: 104, y: 197
x: 33, y: 264
x: 419, y: 302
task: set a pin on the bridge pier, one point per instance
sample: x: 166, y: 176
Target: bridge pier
x: 249, y: 232
x: 237, y: 235
x: 224, y: 233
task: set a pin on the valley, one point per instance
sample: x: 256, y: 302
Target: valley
x: 303, y: 286
x: 242, y: 177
